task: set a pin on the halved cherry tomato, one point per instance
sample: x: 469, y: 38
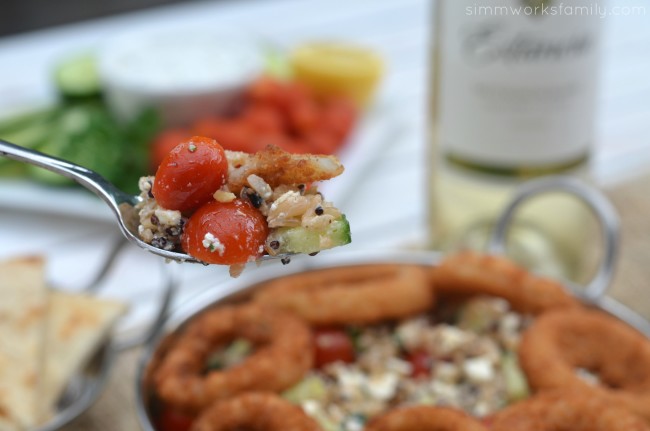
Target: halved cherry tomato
x: 237, y: 135
x: 332, y: 345
x: 338, y: 117
x: 164, y: 143
x: 266, y: 90
x: 421, y: 363
x: 303, y: 116
x: 209, y: 127
x: 279, y: 94
x: 321, y: 143
x: 170, y: 420
x: 225, y: 233
x: 487, y: 421
x: 190, y: 174
x: 263, y: 118
x: 296, y: 93
x: 278, y: 139
x: 294, y: 146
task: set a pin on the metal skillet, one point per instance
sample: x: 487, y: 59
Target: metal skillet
x: 594, y: 294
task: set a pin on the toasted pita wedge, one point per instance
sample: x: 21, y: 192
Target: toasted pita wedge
x: 77, y: 326
x: 23, y: 308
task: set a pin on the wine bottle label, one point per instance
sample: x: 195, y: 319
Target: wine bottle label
x: 517, y: 80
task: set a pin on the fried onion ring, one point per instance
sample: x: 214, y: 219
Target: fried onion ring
x: 254, y: 411
x: 470, y: 273
x: 282, y: 356
x: 566, y: 411
x: 351, y: 295
x: 425, y: 418
x: 561, y: 341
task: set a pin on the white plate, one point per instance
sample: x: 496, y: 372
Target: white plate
x: 28, y: 196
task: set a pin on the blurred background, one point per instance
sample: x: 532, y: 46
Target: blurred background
x: 113, y: 85
x: 21, y: 16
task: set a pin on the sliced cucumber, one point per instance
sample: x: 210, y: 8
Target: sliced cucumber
x: 28, y: 130
x: 515, y: 379
x: 25, y: 121
x: 234, y: 354
x: 54, y: 146
x: 29, y: 137
x: 310, y: 388
x: 75, y: 137
x: 11, y: 168
x: 78, y: 77
x: 304, y: 240
x: 478, y: 315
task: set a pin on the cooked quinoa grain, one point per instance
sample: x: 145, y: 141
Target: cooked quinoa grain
x: 159, y: 227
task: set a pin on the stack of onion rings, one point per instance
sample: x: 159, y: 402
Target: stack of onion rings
x: 558, y: 342
x: 355, y: 295
x: 254, y: 411
x: 282, y: 357
x: 425, y: 418
x: 478, y: 274
x: 566, y: 411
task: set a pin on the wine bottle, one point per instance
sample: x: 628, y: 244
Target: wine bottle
x: 513, y: 98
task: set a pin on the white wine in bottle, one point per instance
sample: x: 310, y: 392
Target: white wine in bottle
x: 513, y: 98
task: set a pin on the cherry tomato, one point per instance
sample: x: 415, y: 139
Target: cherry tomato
x: 238, y: 135
x: 190, y: 174
x: 209, y: 127
x: 279, y: 94
x: 420, y: 363
x: 263, y: 118
x: 338, y: 117
x: 332, y: 345
x: 278, y: 139
x: 171, y: 420
x: 296, y: 93
x: 164, y: 143
x: 294, y: 146
x: 487, y: 421
x: 267, y: 90
x: 320, y: 142
x: 225, y: 233
x: 303, y: 116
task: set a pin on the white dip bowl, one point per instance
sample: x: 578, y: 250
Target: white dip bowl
x: 184, y: 73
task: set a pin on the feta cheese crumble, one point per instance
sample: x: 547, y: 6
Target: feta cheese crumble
x: 213, y: 244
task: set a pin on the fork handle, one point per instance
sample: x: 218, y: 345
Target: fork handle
x: 87, y: 178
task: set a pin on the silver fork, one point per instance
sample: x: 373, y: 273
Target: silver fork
x: 121, y: 203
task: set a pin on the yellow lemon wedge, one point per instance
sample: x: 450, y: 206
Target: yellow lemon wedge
x: 338, y: 69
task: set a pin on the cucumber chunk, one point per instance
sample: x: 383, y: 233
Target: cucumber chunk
x: 20, y: 123
x: 232, y: 355
x: 310, y: 388
x: 304, y: 240
x: 78, y: 77
x: 516, y: 383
